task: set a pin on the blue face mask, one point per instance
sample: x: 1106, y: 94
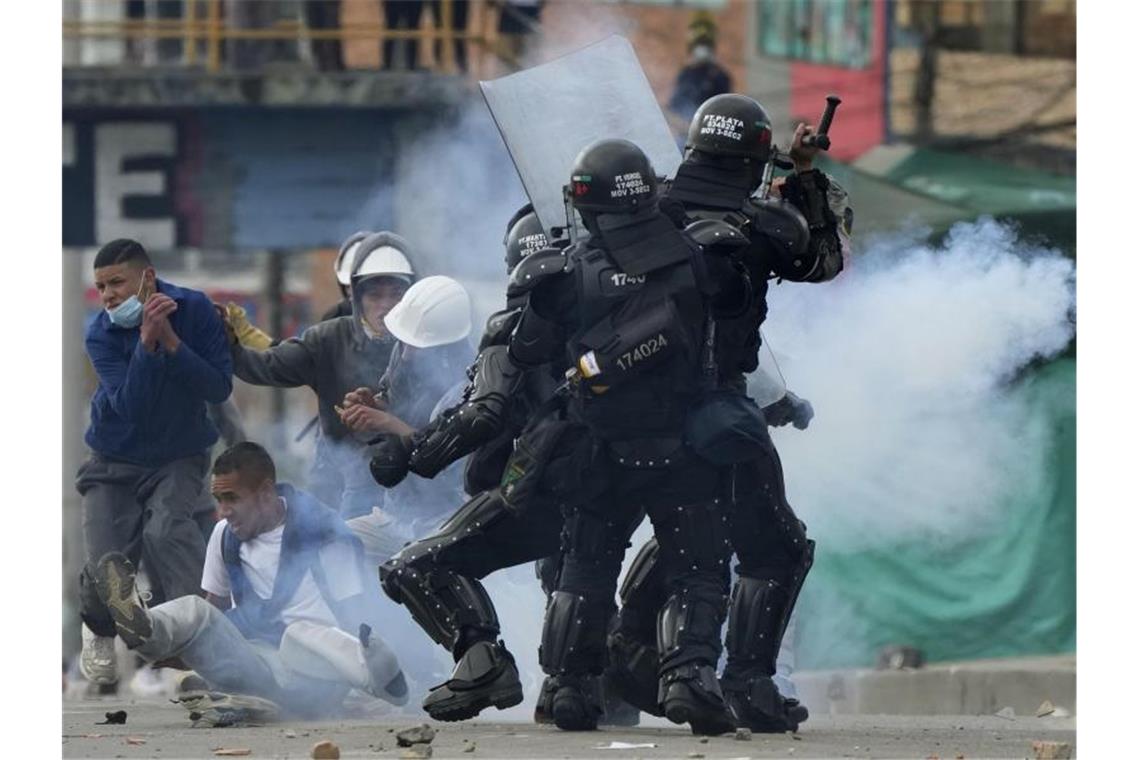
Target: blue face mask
x: 129, y: 313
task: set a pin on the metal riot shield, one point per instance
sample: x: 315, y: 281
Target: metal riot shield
x: 548, y: 113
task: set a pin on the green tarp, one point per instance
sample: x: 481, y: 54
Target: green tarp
x: 1008, y: 592
x: 894, y: 184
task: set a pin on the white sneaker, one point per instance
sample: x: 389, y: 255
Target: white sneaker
x: 97, y: 661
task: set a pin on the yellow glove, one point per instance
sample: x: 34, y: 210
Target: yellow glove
x: 246, y: 334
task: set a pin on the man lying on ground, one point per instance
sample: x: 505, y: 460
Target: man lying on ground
x: 284, y: 613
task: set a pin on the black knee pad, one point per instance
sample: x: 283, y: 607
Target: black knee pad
x: 643, y: 592
x: 442, y: 601
x: 547, y: 571
x: 644, y: 572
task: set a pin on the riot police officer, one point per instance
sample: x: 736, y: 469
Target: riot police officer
x: 437, y: 577
x: 629, y: 308
x: 799, y: 237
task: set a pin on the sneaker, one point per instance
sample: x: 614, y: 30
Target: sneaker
x: 215, y: 709
x: 97, y: 661
x: 485, y: 675
x: 115, y: 582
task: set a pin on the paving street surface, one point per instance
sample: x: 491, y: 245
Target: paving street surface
x: 166, y: 731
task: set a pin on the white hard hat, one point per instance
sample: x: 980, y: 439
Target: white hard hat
x: 434, y: 312
x: 347, y: 255
x: 384, y: 253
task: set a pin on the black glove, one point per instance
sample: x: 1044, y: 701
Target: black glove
x: 791, y: 408
x: 389, y: 463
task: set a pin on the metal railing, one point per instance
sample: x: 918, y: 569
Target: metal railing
x: 204, y: 29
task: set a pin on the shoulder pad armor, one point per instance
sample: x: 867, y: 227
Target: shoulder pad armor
x: 534, y: 268
x: 780, y: 222
x: 499, y: 327
x: 714, y: 233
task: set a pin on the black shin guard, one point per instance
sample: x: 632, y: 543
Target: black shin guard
x: 453, y: 609
x: 758, y: 616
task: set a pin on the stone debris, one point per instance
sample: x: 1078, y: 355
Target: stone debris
x: 232, y: 752
x: 695, y: 754
x: 136, y: 740
x: 1006, y: 712
x: 626, y: 745
x: 116, y: 718
x: 421, y: 734
x: 703, y: 740
x: 1046, y: 708
x: 290, y: 734
x: 743, y: 735
x: 470, y: 747
x: 1043, y: 750
x: 325, y: 750
x: 416, y: 752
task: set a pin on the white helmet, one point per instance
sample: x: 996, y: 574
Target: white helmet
x: 434, y: 312
x: 383, y: 253
x: 347, y: 255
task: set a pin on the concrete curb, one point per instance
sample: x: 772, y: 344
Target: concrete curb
x: 981, y: 687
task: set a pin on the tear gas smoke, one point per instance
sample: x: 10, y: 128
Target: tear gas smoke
x: 907, y: 358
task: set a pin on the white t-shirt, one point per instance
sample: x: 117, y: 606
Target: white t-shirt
x: 260, y: 558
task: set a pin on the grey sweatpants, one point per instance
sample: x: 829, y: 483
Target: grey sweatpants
x: 147, y: 513
x: 309, y: 673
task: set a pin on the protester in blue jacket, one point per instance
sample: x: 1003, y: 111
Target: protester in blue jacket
x: 161, y: 355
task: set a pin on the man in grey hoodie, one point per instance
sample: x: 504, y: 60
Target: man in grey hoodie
x: 340, y: 355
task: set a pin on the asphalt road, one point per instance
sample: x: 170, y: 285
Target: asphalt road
x: 166, y: 732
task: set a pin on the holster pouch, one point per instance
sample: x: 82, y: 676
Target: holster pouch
x: 726, y: 427
x: 524, y: 472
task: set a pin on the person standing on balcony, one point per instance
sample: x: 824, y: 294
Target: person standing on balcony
x: 703, y: 76
x: 320, y: 16
x: 401, y: 15
x: 459, y: 15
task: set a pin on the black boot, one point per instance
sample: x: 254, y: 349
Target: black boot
x: 577, y: 702
x: 616, y: 710
x: 759, y: 706
x: 691, y: 694
x: 544, y: 707
x: 632, y: 672
x: 485, y: 675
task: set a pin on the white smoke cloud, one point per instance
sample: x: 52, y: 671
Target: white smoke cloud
x: 906, y: 358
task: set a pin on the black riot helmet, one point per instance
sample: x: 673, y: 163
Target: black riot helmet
x: 731, y: 125
x: 524, y: 238
x: 612, y: 177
